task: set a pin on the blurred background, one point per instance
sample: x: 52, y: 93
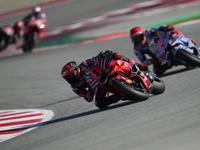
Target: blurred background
x: 78, y: 30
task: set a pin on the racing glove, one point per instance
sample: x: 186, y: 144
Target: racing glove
x: 106, y: 54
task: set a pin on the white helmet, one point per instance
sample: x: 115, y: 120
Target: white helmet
x: 36, y: 10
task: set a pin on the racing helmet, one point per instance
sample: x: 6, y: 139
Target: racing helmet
x: 71, y: 73
x: 36, y: 10
x: 137, y: 35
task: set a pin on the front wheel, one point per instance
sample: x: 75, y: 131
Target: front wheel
x: 189, y: 58
x: 129, y: 91
x: 158, y: 86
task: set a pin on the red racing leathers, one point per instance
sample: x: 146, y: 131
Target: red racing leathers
x: 83, y: 89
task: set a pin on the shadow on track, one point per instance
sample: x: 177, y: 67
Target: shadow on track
x: 90, y: 112
x: 176, y: 72
x: 59, y: 102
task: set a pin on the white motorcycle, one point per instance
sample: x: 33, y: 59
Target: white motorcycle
x: 172, y: 47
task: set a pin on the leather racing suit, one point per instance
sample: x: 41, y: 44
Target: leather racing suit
x: 141, y: 50
x: 82, y: 88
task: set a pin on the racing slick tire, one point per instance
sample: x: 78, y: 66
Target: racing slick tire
x: 158, y: 86
x: 189, y: 58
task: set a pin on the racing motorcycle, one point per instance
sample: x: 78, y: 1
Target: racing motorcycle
x: 33, y: 31
x: 6, y: 35
x: 174, y: 48
x: 120, y: 77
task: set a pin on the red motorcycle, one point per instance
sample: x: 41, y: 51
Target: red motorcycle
x: 33, y: 31
x: 120, y: 77
x: 6, y: 36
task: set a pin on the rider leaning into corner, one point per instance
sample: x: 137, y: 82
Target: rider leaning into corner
x: 11, y: 33
x: 18, y: 31
x: 73, y: 74
x: 142, y: 40
x: 36, y: 12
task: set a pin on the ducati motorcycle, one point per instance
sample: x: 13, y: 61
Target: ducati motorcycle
x: 174, y: 48
x: 33, y: 31
x: 119, y: 77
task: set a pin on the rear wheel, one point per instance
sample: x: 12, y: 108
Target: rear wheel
x: 189, y: 58
x: 29, y: 43
x: 129, y: 91
x: 2, y: 45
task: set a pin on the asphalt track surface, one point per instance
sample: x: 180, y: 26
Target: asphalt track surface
x: 169, y: 121
x: 74, y: 10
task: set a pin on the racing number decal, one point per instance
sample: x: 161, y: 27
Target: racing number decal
x: 160, y: 44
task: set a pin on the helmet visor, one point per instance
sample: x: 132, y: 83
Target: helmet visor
x: 71, y: 79
x: 138, y: 39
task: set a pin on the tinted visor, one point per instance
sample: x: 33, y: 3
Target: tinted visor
x: 138, y: 39
x: 71, y: 79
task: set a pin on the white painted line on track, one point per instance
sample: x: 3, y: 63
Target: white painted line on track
x: 102, y: 17
x: 19, y: 121
x: 115, y: 13
x: 187, y: 23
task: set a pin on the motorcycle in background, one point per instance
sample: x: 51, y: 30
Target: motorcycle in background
x: 6, y: 36
x: 174, y: 48
x: 120, y: 77
x: 33, y: 31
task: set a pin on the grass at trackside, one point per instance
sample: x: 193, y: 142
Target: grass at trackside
x: 67, y: 39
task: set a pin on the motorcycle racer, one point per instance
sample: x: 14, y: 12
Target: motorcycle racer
x: 36, y: 13
x: 18, y: 31
x: 143, y: 40
x: 35, y: 27
x: 11, y: 34
x: 73, y: 74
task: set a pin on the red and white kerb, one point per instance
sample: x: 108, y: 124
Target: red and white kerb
x: 19, y: 121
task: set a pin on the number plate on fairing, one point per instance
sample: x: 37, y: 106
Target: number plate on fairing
x: 158, y: 48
